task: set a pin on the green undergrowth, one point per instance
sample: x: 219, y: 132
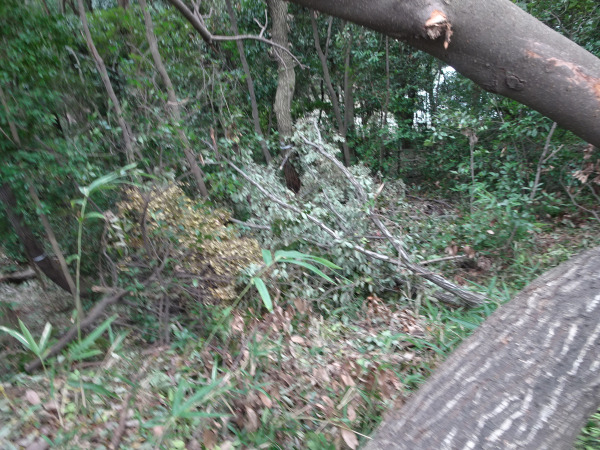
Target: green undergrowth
x: 297, y: 378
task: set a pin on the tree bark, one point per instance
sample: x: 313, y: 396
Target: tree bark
x: 34, y: 250
x: 173, y: 102
x: 498, y: 46
x: 286, y: 84
x: 528, y: 378
x: 332, y: 94
x: 127, y: 135
x: 250, y: 83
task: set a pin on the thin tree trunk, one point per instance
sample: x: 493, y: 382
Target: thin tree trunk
x: 387, y: 99
x: 528, y: 379
x: 34, y: 250
x: 250, y: 83
x: 286, y: 84
x: 332, y: 93
x: 348, y: 86
x: 173, y: 102
x: 53, y: 241
x: 127, y: 135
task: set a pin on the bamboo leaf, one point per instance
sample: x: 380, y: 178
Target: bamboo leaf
x: 264, y: 293
x: 45, y: 336
x: 267, y: 257
x: 18, y: 336
x: 309, y: 267
x: 27, y: 335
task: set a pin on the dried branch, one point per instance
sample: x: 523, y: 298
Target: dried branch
x: 543, y: 160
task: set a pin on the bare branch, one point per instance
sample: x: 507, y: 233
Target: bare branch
x: 209, y: 38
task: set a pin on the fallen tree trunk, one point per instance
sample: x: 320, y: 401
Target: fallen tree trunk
x: 528, y: 378
x: 18, y: 277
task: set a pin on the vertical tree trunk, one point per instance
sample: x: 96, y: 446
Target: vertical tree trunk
x: 173, y: 102
x: 286, y: 83
x: 127, y: 135
x: 249, y: 82
x: 332, y: 93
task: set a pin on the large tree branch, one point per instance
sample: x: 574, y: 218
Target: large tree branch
x: 498, y: 46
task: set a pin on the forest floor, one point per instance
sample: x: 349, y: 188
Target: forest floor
x: 288, y: 380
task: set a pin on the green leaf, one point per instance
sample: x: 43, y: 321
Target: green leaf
x: 94, y: 215
x: 309, y: 267
x: 77, y: 351
x: 325, y: 262
x: 18, y: 336
x: 100, y: 390
x: 45, y: 336
x: 464, y: 323
x: 267, y: 257
x: 264, y: 293
x: 176, y: 405
x: 197, y: 397
x: 27, y: 335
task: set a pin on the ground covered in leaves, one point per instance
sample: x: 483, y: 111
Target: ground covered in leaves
x: 293, y: 379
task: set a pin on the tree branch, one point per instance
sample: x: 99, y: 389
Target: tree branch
x: 209, y: 38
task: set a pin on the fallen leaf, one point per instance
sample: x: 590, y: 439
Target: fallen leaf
x: 274, y: 393
x: 32, y: 397
x: 351, y: 413
x: 349, y: 438
x: 348, y: 381
x: 469, y: 251
x: 227, y: 445
x: 209, y: 439
x: 298, y: 340
x: 252, y: 423
x: 300, y: 305
x: 264, y: 398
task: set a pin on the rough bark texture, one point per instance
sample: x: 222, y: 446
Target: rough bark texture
x: 249, y: 82
x: 173, y: 102
x: 286, y: 84
x: 498, y: 46
x: 527, y: 379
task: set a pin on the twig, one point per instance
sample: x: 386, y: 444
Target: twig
x: 115, y: 442
x: 447, y: 258
x: 543, y: 160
